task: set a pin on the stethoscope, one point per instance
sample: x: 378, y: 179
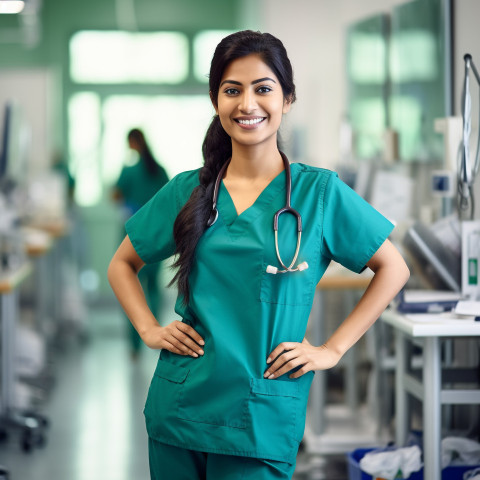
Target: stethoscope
x: 286, y: 209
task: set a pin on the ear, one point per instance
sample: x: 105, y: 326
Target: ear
x: 214, y: 103
x: 287, y: 103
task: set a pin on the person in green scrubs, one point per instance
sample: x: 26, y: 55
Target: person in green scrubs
x: 229, y: 394
x: 136, y: 185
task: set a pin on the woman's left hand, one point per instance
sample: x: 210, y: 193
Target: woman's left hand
x: 305, y: 355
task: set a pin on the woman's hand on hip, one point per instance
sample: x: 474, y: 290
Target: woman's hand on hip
x: 177, y: 337
x: 289, y: 355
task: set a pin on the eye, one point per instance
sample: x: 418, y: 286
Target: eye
x: 264, y: 89
x: 231, y: 91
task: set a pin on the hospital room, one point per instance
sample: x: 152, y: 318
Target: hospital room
x: 242, y: 233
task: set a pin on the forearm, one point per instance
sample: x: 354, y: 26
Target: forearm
x: 386, y: 283
x: 127, y: 288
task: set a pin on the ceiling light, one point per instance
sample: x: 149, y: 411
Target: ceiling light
x: 11, y: 6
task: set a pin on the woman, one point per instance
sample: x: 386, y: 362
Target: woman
x: 136, y: 185
x: 229, y: 394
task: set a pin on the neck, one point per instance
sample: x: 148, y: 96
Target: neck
x: 255, y: 162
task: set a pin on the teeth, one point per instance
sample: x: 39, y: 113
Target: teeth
x: 250, y: 122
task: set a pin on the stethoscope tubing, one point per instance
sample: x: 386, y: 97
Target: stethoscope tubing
x: 286, y: 209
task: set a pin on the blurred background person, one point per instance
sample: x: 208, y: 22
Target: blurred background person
x: 135, y: 186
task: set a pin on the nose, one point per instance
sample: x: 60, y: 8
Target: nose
x: 247, y: 102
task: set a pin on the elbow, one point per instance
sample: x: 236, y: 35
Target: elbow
x: 120, y: 268
x: 407, y: 274
x: 113, y: 270
x: 403, y: 273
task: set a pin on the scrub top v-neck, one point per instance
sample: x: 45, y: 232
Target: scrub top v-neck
x: 220, y: 402
x: 228, y: 211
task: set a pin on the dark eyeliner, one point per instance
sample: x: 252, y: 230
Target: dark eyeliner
x: 264, y: 86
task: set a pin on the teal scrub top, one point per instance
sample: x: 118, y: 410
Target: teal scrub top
x: 220, y: 402
x: 138, y: 185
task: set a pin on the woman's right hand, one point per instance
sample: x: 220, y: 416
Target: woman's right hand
x: 177, y: 337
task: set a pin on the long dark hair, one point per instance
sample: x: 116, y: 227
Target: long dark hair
x: 191, y: 221
x: 135, y: 135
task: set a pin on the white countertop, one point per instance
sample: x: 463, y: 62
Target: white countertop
x: 432, y: 325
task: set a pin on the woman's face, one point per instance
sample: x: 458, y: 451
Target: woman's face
x: 250, y: 102
x: 132, y: 144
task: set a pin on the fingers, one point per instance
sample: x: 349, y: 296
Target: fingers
x: 280, y: 349
x: 301, y: 371
x: 190, y: 331
x: 172, y: 348
x: 179, y: 340
x: 307, y: 357
x: 181, y: 348
x: 283, y: 364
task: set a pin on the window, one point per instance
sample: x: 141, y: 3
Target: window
x: 84, y: 135
x: 97, y: 160
x: 99, y: 122
x: 125, y: 57
x: 174, y: 127
x: 203, y: 47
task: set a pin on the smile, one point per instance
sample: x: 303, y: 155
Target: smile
x: 253, y: 121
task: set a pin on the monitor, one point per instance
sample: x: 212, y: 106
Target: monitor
x: 440, y: 267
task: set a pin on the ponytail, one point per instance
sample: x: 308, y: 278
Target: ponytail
x: 191, y: 221
x: 150, y: 163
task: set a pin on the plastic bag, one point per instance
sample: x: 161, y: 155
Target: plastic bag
x: 472, y: 474
x: 460, y: 451
x: 388, y: 464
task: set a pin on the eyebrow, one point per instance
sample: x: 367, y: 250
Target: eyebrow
x: 234, y: 82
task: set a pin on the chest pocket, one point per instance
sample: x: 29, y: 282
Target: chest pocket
x: 290, y: 288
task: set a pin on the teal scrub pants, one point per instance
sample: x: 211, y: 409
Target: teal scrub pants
x: 173, y: 463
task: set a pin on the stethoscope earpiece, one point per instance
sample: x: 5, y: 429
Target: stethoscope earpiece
x: 286, y: 209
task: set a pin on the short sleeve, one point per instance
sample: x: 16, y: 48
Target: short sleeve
x: 352, y: 229
x: 151, y: 229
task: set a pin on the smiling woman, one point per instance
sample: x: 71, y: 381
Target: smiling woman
x: 229, y: 394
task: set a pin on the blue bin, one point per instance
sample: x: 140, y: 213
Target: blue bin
x: 354, y: 472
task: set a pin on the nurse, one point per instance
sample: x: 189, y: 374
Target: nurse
x: 134, y: 188
x: 228, y: 397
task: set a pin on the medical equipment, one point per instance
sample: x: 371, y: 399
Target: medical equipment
x: 287, y: 208
x: 466, y: 171
x: 437, y: 265
x: 471, y: 259
x: 443, y: 182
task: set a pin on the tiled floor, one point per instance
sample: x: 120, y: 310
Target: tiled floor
x: 97, y: 427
